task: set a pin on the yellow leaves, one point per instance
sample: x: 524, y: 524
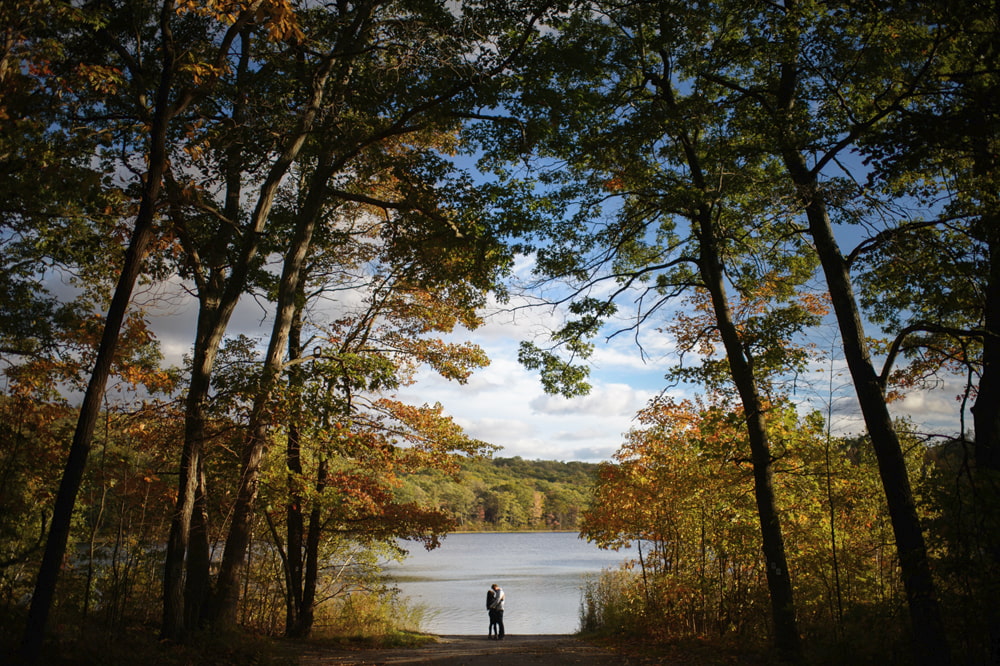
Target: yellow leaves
x: 277, y: 17
x: 103, y: 78
x: 282, y: 24
x: 201, y: 72
x: 195, y: 151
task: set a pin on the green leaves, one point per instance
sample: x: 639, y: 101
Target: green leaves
x: 557, y: 375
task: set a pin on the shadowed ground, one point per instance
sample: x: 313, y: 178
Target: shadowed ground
x: 551, y: 650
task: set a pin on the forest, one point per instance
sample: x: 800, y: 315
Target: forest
x: 374, y: 178
x: 506, y: 493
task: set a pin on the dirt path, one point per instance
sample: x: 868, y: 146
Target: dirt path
x: 552, y: 650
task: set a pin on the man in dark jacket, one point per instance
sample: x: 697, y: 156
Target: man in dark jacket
x: 490, y: 598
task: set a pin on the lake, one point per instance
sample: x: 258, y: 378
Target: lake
x: 542, y: 575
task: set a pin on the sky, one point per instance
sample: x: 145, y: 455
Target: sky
x: 505, y: 405
x: 502, y: 404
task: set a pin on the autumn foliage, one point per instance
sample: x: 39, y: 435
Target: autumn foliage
x: 721, y: 180
x: 680, y: 490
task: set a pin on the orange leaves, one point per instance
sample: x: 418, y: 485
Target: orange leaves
x: 277, y: 16
x: 679, y: 485
x: 816, y: 304
x: 428, y: 428
x: 281, y: 22
x: 359, y: 494
x: 662, y: 473
x: 615, y: 184
x: 201, y: 73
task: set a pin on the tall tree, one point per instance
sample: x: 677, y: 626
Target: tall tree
x: 941, y: 154
x: 156, y: 93
x: 812, y: 91
x: 351, y: 122
x: 695, y: 215
x: 219, y: 295
x: 222, y: 242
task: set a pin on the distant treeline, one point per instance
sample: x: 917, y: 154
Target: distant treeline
x: 507, y: 493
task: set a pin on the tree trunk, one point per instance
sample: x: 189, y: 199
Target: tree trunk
x: 187, y: 546
x: 142, y: 235
x: 226, y: 597
x: 313, y: 536
x: 306, y: 552
x: 184, y: 597
x: 986, y: 410
x: 930, y: 643
x: 710, y: 265
x: 295, y: 525
x: 980, y: 136
x: 779, y: 581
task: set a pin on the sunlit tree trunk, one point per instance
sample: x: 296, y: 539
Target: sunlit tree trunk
x: 294, y: 510
x: 226, y: 594
x: 187, y: 547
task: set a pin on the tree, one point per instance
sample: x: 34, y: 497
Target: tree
x: 798, y: 133
x: 696, y: 214
x: 349, y: 135
x: 940, y: 154
x: 168, y: 96
x: 54, y: 210
x: 675, y: 487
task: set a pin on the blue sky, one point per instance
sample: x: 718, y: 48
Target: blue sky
x: 504, y: 404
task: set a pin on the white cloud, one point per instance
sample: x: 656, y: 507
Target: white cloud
x: 603, y: 400
x: 936, y: 409
x: 504, y: 404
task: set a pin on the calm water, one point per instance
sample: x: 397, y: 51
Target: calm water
x: 542, y: 575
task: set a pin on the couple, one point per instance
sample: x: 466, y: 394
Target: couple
x: 494, y: 604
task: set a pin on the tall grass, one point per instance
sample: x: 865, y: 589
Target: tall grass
x: 613, y: 605
x: 618, y: 606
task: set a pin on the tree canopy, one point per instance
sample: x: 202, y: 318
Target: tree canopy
x: 728, y: 176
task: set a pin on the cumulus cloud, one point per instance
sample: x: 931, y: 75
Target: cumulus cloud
x: 937, y: 410
x: 504, y: 404
x: 603, y: 400
x: 491, y: 429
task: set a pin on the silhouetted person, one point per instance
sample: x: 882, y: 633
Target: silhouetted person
x: 491, y: 596
x: 496, y: 609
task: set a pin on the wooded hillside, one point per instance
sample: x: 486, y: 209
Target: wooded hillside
x: 507, y: 493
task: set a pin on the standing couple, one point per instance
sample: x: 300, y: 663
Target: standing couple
x: 494, y: 604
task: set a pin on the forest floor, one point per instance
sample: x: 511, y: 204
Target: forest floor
x: 536, y: 650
